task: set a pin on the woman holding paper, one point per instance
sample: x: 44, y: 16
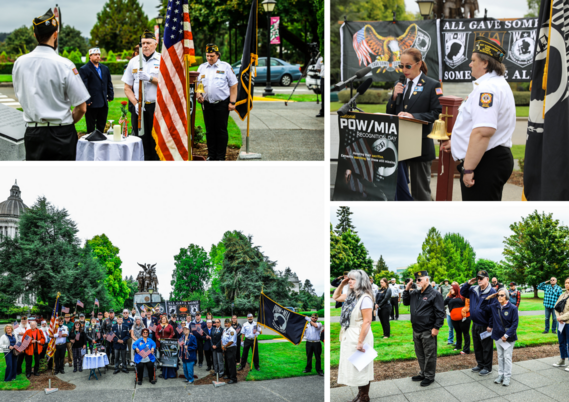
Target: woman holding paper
x: 145, y: 359
x: 503, y: 323
x: 78, y: 346
x: 7, y: 344
x: 562, y: 315
x: 356, y: 322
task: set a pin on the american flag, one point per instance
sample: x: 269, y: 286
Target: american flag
x: 179, y: 329
x: 16, y: 325
x: 142, y: 308
x: 53, y: 328
x: 152, y: 327
x: 77, y: 335
x: 200, y: 330
x: 355, y: 147
x: 24, y: 344
x: 80, y: 304
x: 192, y: 327
x: 361, y: 47
x: 64, y: 309
x: 181, y: 342
x: 110, y: 336
x: 170, y: 123
x: 96, y: 302
x: 144, y: 352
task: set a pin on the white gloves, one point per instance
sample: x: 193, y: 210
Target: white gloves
x: 142, y: 76
x: 136, y: 108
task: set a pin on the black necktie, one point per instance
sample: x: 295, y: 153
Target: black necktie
x: 407, y: 95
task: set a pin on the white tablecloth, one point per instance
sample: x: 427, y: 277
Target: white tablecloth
x: 129, y: 149
x: 95, y: 361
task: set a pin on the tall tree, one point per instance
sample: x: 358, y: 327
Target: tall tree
x: 108, y: 256
x: 340, y: 255
x: 381, y: 265
x: 432, y: 258
x: 132, y: 289
x: 71, y: 39
x: 192, y: 272
x: 490, y: 267
x: 533, y: 8
x: 466, y: 253
x: 360, y: 258
x: 344, y: 220
x: 537, y: 250
x: 119, y: 25
x: 216, y: 256
x: 21, y: 41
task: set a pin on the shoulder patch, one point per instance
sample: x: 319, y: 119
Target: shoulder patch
x: 486, y: 100
x: 439, y: 91
x: 75, y: 71
x: 232, y: 333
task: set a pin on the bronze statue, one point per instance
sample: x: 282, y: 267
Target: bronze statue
x: 470, y: 7
x: 147, y: 278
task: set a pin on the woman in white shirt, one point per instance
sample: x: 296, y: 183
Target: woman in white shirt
x: 356, y: 324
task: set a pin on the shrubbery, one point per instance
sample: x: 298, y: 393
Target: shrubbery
x: 370, y: 96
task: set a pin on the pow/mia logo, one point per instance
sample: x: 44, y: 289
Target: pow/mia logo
x: 280, y: 318
x: 486, y: 100
x: 47, y: 22
x: 456, y: 44
x: 522, y: 46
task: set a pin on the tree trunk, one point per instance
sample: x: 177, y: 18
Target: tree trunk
x: 535, y: 292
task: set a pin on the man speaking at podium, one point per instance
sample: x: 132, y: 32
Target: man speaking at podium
x: 420, y: 100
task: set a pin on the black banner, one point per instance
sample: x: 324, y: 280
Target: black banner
x: 244, y: 101
x: 379, y: 45
x: 183, y: 308
x: 517, y: 37
x: 289, y: 324
x: 157, y: 308
x: 368, y: 157
x: 169, y: 352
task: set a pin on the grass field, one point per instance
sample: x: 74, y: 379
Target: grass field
x: 115, y: 112
x: 281, y: 360
x: 400, y: 345
x: 5, y: 77
x: 21, y: 382
x: 296, y: 98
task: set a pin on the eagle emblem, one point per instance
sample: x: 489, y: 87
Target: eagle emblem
x: 387, y: 49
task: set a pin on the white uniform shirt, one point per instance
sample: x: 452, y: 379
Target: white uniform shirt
x: 217, y: 79
x: 20, y: 331
x: 312, y: 333
x: 394, y: 290
x: 61, y: 339
x: 320, y: 65
x: 47, y: 85
x: 375, y: 289
x: 247, y: 330
x: 229, y: 335
x: 150, y: 67
x: 490, y: 104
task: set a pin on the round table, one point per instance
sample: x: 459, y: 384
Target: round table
x: 95, y: 362
x: 129, y: 149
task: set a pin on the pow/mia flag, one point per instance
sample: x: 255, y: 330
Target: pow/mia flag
x: 546, y: 172
x: 289, y: 324
x: 245, y: 85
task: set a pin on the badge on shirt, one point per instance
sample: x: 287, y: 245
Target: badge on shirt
x: 220, y: 72
x: 232, y: 333
x: 419, y: 89
x: 505, y: 313
x: 75, y: 71
x: 203, y: 76
x: 439, y: 91
x: 486, y: 100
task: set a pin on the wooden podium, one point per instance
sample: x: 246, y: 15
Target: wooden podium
x: 193, y: 77
x: 410, y: 138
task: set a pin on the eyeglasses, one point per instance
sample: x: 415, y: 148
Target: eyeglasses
x: 480, y: 278
x: 409, y: 66
x: 419, y: 280
x: 501, y: 295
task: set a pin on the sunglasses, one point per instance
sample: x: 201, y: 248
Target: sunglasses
x: 410, y: 66
x: 501, y: 295
x: 419, y: 280
x: 480, y: 278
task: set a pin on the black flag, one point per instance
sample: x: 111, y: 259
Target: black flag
x: 289, y: 324
x: 546, y: 172
x: 249, y: 59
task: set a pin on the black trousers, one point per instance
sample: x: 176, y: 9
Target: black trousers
x: 52, y: 143
x: 110, y: 351
x: 21, y: 358
x: 238, y: 356
x: 322, y: 96
x: 140, y: 371
x: 462, y: 329
x: 426, y: 352
x: 59, y: 356
x: 383, y: 313
x: 482, y: 348
x: 96, y: 117
x: 208, y: 357
x: 231, y: 363
x: 394, y: 307
x: 215, y: 117
x: 120, y: 358
x: 313, y: 348
x: 36, y: 362
x: 200, y: 351
x: 147, y: 140
x: 490, y: 176
x: 248, y: 344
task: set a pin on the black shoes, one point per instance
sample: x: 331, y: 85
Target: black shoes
x: 319, y: 115
x: 232, y: 382
x: 80, y: 370
x: 74, y: 370
x: 426, y: 382
x: 62, y: 372
x: 139, y: 382
x: 160, y: 376
x: 116, y: 371
x: 208, y: 369
x: 484, y: 372
x: 124, y: 370
x: 152, y: 382
x: 226, y: 378
x: 28, y: 375
x: 56, y: 373
x: 306, y: 371
x: 258, y: 369
x: 476, y: 369
x: 37, y: 374
x: 545, y: 332
x: 240, y: 368
x: 321, y: 373
x: 417, y: 378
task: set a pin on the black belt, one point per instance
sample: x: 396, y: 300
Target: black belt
x: 47, y: 124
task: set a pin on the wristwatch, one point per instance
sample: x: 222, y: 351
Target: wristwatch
x: 233, y: 103
x: 466, y: 171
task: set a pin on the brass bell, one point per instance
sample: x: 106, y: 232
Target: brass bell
x: 200, y: 88
x: 439, y: 130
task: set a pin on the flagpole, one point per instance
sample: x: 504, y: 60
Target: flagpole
x: 188, y: 109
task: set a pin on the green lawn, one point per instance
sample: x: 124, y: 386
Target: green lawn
x: 296, y: 98
x: 5, y: 77
x: 400, y: 345
x: 281, y: 360
x: 21, y: 382
x: 115, y: 112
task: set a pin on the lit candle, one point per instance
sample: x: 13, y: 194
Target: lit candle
x: 117, y: 132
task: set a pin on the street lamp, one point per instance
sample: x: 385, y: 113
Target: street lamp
x: 425, y: 7
x: 268, y: 6
x: 159, y: 21
x: 150, y: 290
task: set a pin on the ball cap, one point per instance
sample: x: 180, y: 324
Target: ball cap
x: 111, y: 311
x: 482, y: 274
x: 81, y: 315
x: 147, y: 34
x: 490, y: 48
x: 249, y: 315
x: 315, y: 315
x: 45, y: 24
x: 421, y: 274
x: 126, y: 311
x: 513, y: 284
x: 211, y: 48
x: 94, y: 50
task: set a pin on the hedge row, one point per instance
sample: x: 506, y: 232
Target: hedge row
x: 115, y: 67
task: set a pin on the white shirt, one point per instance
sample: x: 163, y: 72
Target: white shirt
x: 366, y: 302
x: 247, y: 330
x: 229, y: 335
x: 20, y: 331
x: 312, y: 333
x: 217, y: 78
x: 61, y: 339
x: 320, y: 65
x: 150, y: 67
x: 394, y: 290
x: 47, y: 85
x: 410, y: 84
x: 375, y: 289
x: 490, y: 104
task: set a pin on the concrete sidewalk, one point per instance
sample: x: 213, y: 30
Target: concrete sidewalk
x: 408, y: 316
x: 532, y: 380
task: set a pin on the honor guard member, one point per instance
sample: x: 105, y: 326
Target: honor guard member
x: 130, y: 322
x: 250, y: 331
x: 229, y: 346
x: 482, y: 135
x: 149, y: 76
x: 122, y: 333
x: 313, y: 345
x: 427, y: 317
x: 220, y: 86
x: 47, y: 85
x: 106, y: 328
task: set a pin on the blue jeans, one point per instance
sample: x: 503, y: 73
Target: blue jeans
x: 450, y: 329
x: 189, y: 371
x: 550, y: 312
x: 11, y: 360
x: 563, y: 343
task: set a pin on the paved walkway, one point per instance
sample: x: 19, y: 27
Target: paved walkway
x: 532, y: 380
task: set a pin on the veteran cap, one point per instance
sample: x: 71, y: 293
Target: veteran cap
x: 45, y: 24
x: 482, y: 274
x: 147, y: 34
x: 421, y: 273
x: 489, y: 47
x: 315, y: 315
x: 211, y: 48
x: 94, y: 50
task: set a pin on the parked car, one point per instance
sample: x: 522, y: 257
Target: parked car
x: 282, y: 73
x: 292, y: 309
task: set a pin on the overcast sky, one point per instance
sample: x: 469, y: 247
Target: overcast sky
x: 151, y: 212
x: 80, y: 14
x: 496, y: 9
x: 397, y: 230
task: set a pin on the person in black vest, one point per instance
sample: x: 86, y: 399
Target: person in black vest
x: 97, y: 80
x: 420, y: 101
x: 122, y: 332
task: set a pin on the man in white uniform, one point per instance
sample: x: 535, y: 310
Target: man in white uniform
x: 320, y: 67
x: 395, y: 297
x: 250, y: 331
x: 47, y: 85
x: 229, y: 346
x: 313, y: 344
x: 149, y: 76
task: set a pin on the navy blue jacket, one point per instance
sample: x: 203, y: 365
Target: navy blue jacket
x: 508, y: 315
x: 207, y: 343
x: 188, y: 351
x: 123, y: 334
x: 100, y: 88
x: 478, y: 315
x: 195, y: 333
x: 216, y: 338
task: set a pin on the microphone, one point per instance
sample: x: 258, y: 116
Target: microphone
x: 400, y: 96
x: 361, y: 90
x: 360, y: 74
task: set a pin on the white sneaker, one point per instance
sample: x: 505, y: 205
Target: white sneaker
x: 567, y: 369
x: 560, y: 363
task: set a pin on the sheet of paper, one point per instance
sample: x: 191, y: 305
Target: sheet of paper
x: 560, y: 326
x: 485, y: 334
x: 503, y: 344
x: 360, y: 359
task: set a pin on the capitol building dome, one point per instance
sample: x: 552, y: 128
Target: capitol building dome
x: 10, y: 211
